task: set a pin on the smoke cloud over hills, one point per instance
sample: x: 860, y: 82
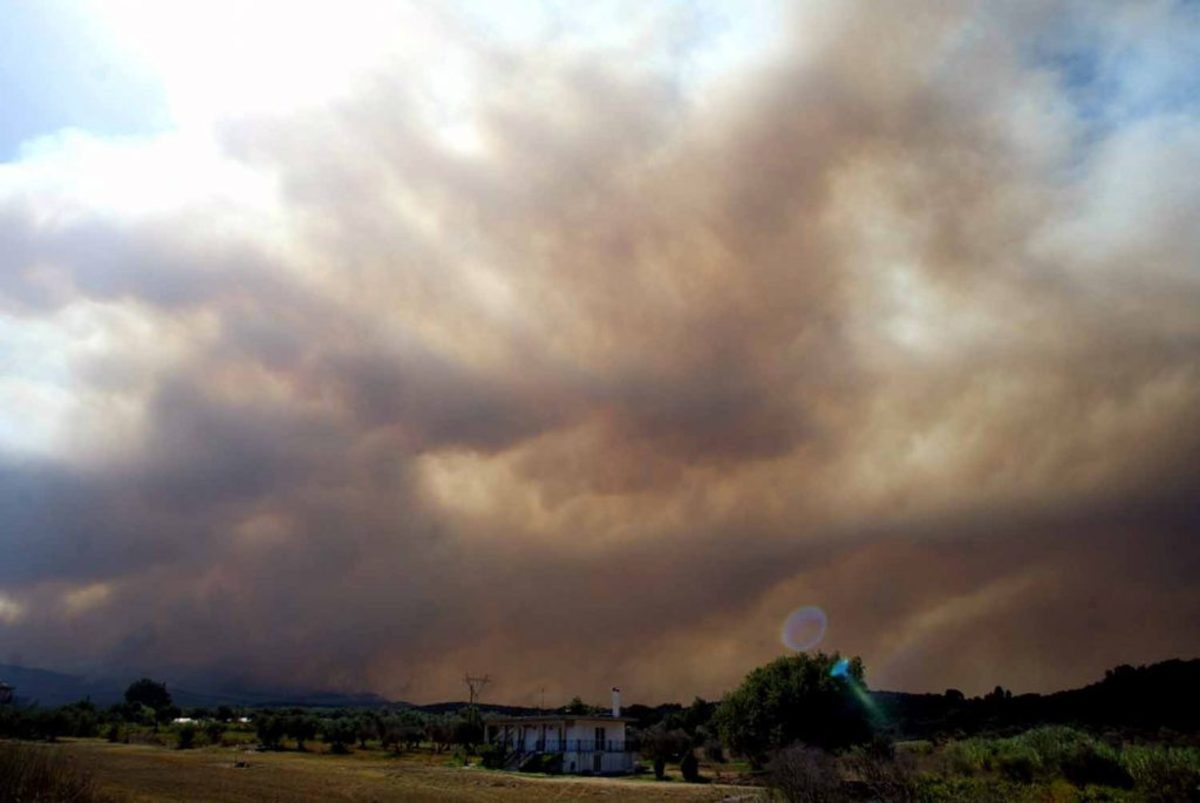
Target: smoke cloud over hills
x: 595, y: 373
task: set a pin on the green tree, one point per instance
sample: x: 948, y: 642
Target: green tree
x: 812, y: 699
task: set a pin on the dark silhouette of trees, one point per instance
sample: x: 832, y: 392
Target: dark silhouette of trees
x: 339, y: 733
x: 148, y: 693
x: 151, y: 695
x: 302, y: 728
x: 270, y: 730
x: 578, y: 706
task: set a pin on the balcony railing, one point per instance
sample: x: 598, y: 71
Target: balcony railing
x: 568, y: 746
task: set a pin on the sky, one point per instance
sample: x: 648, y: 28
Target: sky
x: 361, y: 345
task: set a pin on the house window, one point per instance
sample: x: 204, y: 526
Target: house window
x: 599, y: 739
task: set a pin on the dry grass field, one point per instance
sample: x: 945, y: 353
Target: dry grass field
x: 149, y: 773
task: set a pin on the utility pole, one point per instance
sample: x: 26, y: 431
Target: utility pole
x: 476, y: 685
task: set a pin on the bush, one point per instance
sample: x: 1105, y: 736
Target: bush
x: 805, y: 775
x: 41, y: 774
x: 1095, y: 763
x: 186, y: 736
x: 689, y: 767
x: 213, y: 731
x: 714, y: 752
x: 1018, y: 764
x: 492, y: 756
x: 968, y: 756
x: 882, y: 773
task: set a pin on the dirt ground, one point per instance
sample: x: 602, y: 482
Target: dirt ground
x: 147, y: 773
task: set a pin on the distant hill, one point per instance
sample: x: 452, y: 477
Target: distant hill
x: 48, y: 688
x: 44, y: 687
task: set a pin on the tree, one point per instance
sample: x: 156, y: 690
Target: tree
x: 661, y: 744
x: 812, y: 699
x: 339, y: 733
x: 468, y: 732
x: 302, y: 728
x: 270, y: 730
x: 148, y: 693
x: 578, y: 706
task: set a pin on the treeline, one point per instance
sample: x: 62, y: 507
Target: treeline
x: 148, y: 709
x: 819, y: 700
x: 1146, y: 699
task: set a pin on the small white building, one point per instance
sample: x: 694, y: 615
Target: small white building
x: 588, y: 743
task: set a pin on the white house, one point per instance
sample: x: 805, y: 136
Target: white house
x: 588, y: 743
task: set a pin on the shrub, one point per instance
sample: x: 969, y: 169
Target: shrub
x: 1018, y: 764
x: 968, y: 756
x: 714, y: 752
x: 213, y: 731
x: 492, y: 756
x: 1095, y: 763
x: 689, y: 767
x: 805, y: 775
x: 186, y: 736
x: 882, y: 773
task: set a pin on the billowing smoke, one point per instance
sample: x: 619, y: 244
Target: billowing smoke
x: 899, y: 317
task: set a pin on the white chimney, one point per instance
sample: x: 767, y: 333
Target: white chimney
x: 616, y: 702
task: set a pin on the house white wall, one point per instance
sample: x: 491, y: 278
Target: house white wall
x: 575, y: 738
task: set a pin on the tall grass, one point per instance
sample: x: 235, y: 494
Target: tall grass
x: 1164, y: 773
x: 1042, y: 755
x: 43, y: 774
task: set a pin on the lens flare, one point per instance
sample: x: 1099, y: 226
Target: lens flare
x: 840, y: 669
x: 804, y: 628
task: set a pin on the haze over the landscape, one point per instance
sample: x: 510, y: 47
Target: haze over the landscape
x: 357, y: 345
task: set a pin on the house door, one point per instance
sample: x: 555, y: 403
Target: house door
x: 597, y: 762
x: 599, y: 740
